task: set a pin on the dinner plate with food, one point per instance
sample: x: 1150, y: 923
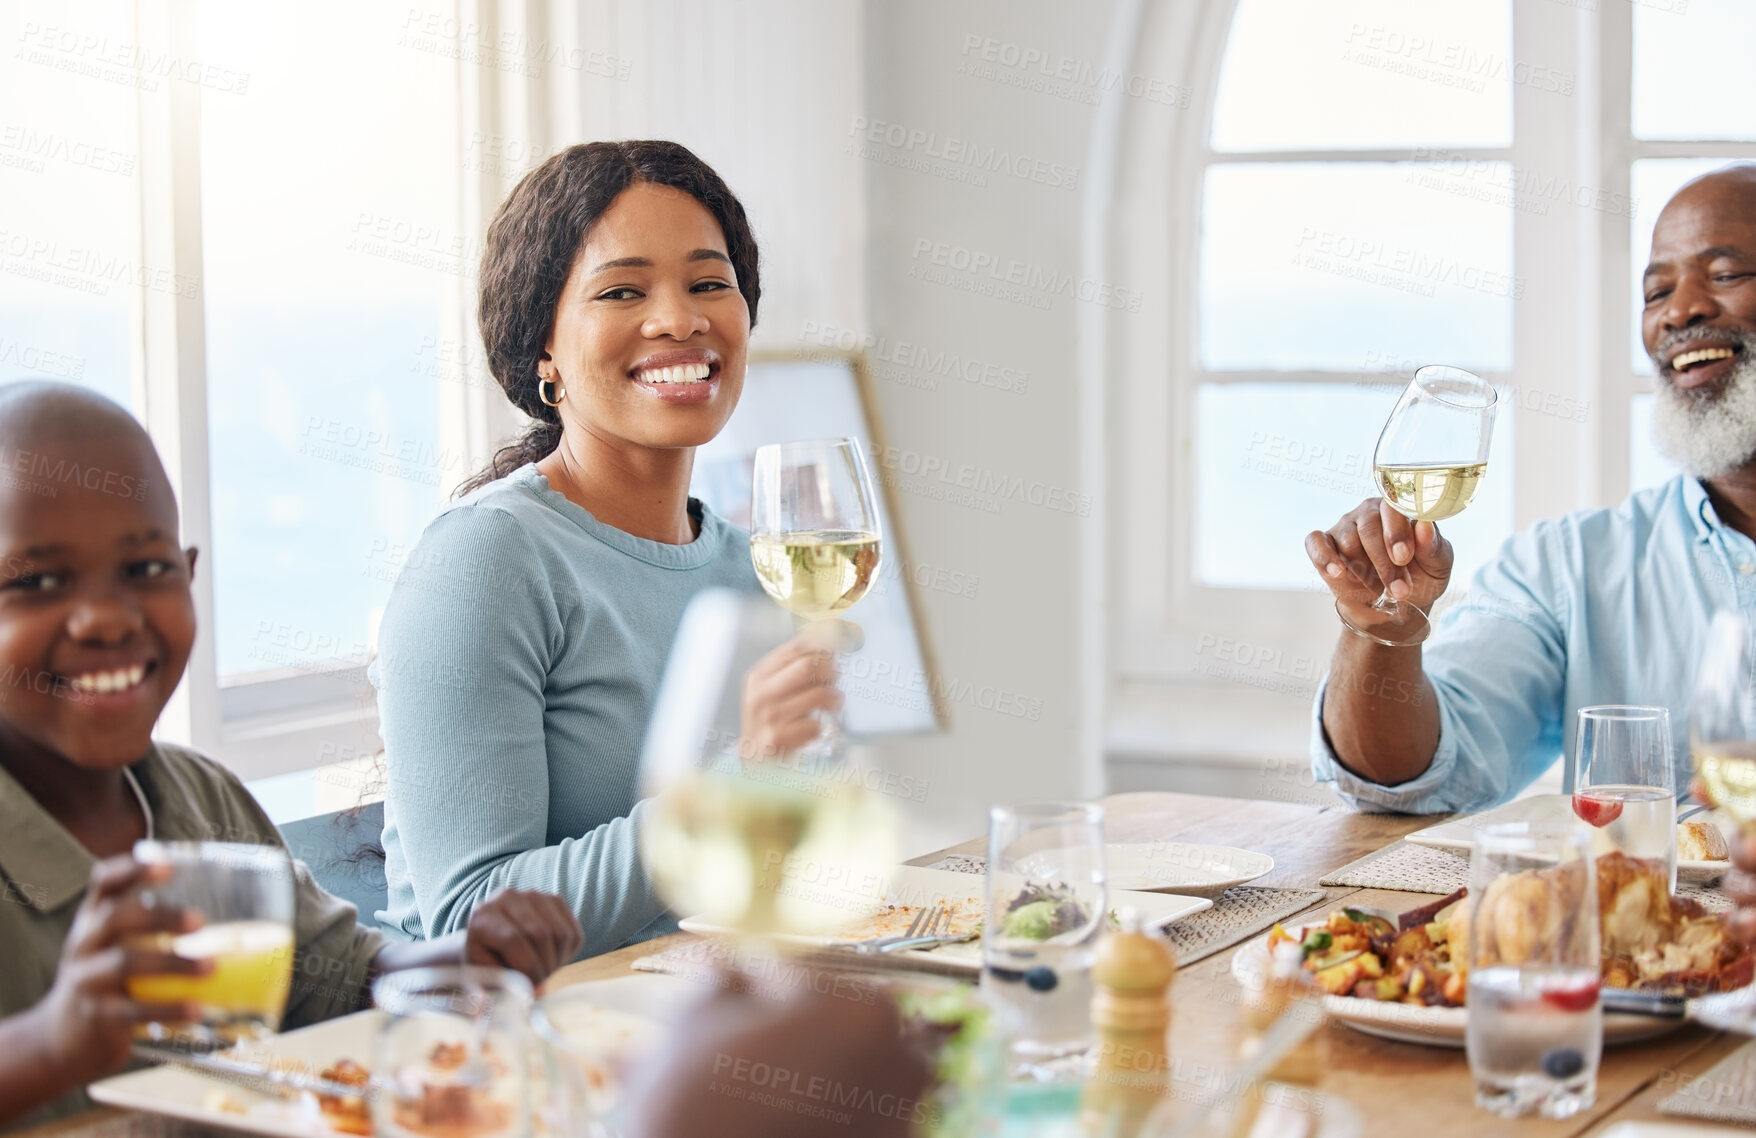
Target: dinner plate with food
x: 1401, y: 976
x: 617, y: 1022
x: 1703, y: 855
x: 888, y: 906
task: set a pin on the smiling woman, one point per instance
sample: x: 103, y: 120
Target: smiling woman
x: 522, y: 646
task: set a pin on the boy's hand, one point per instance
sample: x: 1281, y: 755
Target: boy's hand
x: 86, y: 1022
x: 790, y: 683
x: 529, y: 932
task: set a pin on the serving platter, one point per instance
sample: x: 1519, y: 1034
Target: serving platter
x: 1459, y: 833
x: 886, y: 906
x: 1410, y: 1023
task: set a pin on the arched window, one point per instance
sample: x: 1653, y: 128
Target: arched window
x: 1368, y: 186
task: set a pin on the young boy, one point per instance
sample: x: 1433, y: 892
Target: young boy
x: 96, y: 624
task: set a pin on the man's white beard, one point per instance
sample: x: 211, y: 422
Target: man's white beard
x: 1708, y: 435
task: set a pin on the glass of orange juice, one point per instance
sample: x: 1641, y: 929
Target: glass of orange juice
x: 244, y: 896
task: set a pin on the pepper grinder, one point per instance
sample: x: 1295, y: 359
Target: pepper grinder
x: 1131, y: 1011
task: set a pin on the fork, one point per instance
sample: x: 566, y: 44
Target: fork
x: 932, y: 937
x: 924, y: 920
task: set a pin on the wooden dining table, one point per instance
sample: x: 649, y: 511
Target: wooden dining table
x: 1399, y: 1089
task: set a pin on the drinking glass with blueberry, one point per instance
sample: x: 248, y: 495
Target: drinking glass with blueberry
x: 1046, y: 904
x: 1536, y: 1022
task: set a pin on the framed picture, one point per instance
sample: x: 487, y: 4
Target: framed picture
x: 889, y: 682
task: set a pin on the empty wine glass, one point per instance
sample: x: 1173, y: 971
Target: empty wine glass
x: 1428, y: 464
x: 725, y: 834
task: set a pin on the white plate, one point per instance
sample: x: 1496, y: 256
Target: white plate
x: 1409, y: 1023
x: 1182, y: 867
x: 180, y: 1093
x: 1459, y: 833
x: 914, y: 885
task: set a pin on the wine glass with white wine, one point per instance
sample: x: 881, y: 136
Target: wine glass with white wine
x: 760, y: 846
x: 814, y: 537
x: 1722, y: 741
x: 1428, y: 465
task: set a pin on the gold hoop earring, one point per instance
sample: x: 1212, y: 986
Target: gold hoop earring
x: 543, y: 392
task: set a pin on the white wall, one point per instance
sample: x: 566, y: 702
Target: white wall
x: 773, y: 93
x: 762, y: 90
x: 1022, y: 633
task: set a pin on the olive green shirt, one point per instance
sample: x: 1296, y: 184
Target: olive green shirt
x: 44, y: 870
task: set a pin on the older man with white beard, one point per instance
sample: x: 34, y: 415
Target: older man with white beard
x: 1599, y: 606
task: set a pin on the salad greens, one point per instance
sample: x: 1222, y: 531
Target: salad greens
x: 1041, y: 912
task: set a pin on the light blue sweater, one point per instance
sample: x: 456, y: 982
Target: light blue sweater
x: 519, y: 659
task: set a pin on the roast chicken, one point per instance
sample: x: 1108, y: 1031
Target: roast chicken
x: 1648, y: 937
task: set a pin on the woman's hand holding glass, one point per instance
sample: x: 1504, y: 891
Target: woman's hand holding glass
x: 787, y: 693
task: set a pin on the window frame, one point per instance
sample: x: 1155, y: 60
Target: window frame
x: 288, y: 720
x: 1621, y: 150
x: 1159, y: 705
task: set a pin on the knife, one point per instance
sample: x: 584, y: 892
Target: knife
x: 252, y: 1076
x: 1645, y: 1002
x: 925, y: 942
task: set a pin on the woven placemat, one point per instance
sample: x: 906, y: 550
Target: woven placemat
x: 962, y: 863
x: 1726, y: 1093
x: 1423, y: 869
x: 1237, y: 914
x: 1404, y: 865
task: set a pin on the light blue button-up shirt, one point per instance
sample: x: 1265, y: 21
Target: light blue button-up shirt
x: 1598, y: 606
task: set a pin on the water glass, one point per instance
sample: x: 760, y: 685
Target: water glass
x: 1624, y: 786
x: 453, y: 1053
x: 1535, y: 1029
x: 1046, y: 906
x: 244, y: 895
x: 589, y: 1055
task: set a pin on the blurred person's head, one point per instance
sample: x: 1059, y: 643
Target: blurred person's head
x: 1699, y: 322
x: 619, y: 285
x: 96, y: 615
x: 789, y: 1064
